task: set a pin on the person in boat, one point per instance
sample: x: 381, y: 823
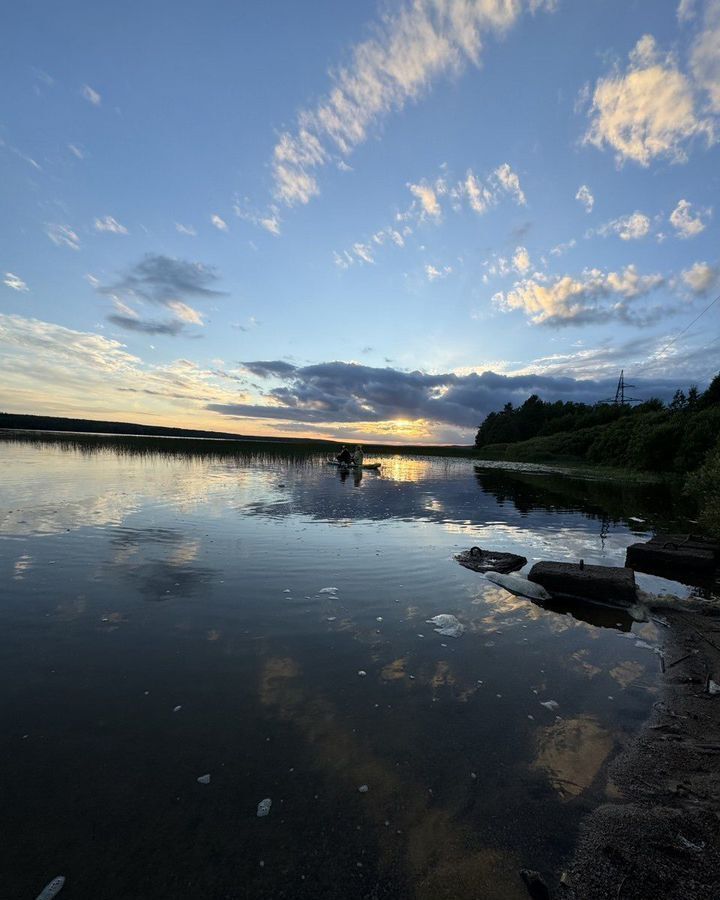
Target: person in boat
x: 344, y: 457
x: 358, y: 457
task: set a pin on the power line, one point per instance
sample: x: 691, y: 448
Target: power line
x: 679, y: 335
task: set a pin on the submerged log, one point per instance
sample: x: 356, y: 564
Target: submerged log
x: 480, y: 560
x: 665, y: 552
x: 598, y: 584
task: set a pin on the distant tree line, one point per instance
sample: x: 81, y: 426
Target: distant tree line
x: 651, y: 436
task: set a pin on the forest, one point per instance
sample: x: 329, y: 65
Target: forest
x: 680, y: 438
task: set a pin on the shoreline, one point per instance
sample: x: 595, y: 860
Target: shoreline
x: 658, y: 835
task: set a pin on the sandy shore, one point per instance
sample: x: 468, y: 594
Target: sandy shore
x: 659, y: 837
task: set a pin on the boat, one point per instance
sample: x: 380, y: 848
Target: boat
x: 373, y: 467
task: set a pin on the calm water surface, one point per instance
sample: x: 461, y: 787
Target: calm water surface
x: 165, y: 617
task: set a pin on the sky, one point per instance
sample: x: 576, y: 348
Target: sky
x: 366, y: 221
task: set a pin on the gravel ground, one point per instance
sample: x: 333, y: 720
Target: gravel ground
x: 660, y: 838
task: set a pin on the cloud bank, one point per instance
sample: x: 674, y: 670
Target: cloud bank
x: 340, y: 392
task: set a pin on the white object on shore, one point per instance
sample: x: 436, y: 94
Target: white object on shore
x: 713, y: 687
x: 52, y: 889
x: 264, y: 807
x: 363, y: 789
x: 550, y: 704
x: 362, y: 673
x: 518, y: 585
x: 177, y: 708
x: 204, y: 779
x: 447, y: 625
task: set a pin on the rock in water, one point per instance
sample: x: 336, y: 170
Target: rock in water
x: 480, y: 560
x: 608, y: 585
x: 52, y: 889
x: 535, y: 884
x: 447, y: 625
x: 518, y: 585
x: 264, y: 807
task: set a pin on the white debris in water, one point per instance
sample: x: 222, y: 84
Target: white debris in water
x: 518, y: 585
x: 635, y: 519
x: 362, y: 673
x: 447, y: 625
x: 287, y: 591
x: 52, y: 889
x: 204, y: 779
x: 644, y: 645
x: 421, y: 635
x: 363, y: 789
x: 713, y: 687
x: 177, y: 708
x: 328, y: 590
x: 550, y: 704
x: 379, y: 619
x: 331, y: 618
x: 264, y: 807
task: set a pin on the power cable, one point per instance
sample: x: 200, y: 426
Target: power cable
x: 678, y: 336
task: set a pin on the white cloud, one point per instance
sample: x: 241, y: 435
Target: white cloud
x: 413, y: 46
x: 510, y: 182
x: 701, y: 277
x: 483, y: 194
x: 705, y: 56
x: 427, y: 197
x: 219, y: 223
x: 480, y: 193
x: 185, y: 313
x: 647, y: 111
x: 269, y: 220
x: 521, y: 261
x: 270, y: 223
x: 595, y: 296
x: 585, y: 196
x: 110, y: 225
x: 63, y: 236
x: 363, y: 252
x: 124, y: 309
x: 185, y: 229
x: 479, y: 196
x: 629, y: 228
x: 685, y: 224
x: 686, y: 10
x: 76, y: 151
x: 434, y: 273
x: 90, y: 95
x: 560, y: 249
x: 15, y: 283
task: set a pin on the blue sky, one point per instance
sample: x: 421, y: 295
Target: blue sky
x: 356, y: 220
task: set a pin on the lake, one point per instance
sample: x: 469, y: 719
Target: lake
x: 260, y: 618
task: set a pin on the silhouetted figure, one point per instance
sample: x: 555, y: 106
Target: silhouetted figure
x: 344, y: 457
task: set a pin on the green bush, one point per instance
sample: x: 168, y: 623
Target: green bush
x: 704, y: 485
